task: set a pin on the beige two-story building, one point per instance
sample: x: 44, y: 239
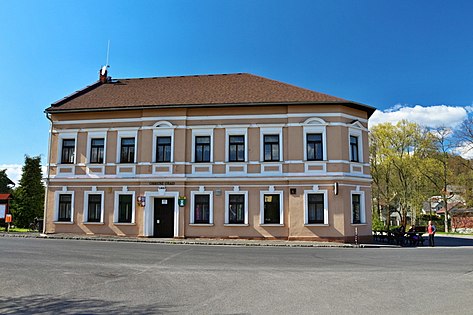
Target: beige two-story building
x: 218, y: 156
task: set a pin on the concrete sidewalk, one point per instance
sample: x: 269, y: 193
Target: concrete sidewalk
x: 188, y: 241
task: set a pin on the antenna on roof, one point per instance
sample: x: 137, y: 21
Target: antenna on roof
x: 108, y: 53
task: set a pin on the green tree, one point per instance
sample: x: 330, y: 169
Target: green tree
x: 396, y: 155
x: 438, y: 171
x: 5, y: 183
x: 29, y: 195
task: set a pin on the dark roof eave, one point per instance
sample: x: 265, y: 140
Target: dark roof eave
x: 51, y: 110
x: 76, y: 94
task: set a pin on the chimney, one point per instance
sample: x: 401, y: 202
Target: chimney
x: 103, y: 75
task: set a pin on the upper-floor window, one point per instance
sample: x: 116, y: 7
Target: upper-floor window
x: 68, y: 150
x: 127, y: 150
x: 314, y: 147
x: 354, y: 149
x: 271, y: 148
x: 97, y: 147
x: 202, y: 149
x: 163, y: 149
x: 236, y: 148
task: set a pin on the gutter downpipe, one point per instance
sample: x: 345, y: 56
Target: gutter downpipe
x: 48, y: 171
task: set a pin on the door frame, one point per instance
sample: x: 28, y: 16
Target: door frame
x: 149, y: 210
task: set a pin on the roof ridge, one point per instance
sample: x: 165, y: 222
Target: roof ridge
x: 187, y: 76
x: 302, y: 88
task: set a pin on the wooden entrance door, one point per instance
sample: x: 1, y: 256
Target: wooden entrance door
x: 163, y: 217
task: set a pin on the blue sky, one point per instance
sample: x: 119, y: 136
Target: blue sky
x: 391, y: 55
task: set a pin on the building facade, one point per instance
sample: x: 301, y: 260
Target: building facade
x: 218, y: 156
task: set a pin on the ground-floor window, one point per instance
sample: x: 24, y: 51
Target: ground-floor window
x: 236, y: 207
x: 315, y: 209
x: 202, y: 208
x: 272, y: 208
x: 65, y: 208
x: 125, y: 208
x: 357, y: 208
x: 94, y: 207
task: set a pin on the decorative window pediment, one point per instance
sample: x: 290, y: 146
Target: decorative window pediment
x: 315, y: 121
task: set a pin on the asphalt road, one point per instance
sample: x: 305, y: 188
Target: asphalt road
x: 42, y: 276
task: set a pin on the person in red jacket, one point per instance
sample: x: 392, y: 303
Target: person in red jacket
x: 431, y: 229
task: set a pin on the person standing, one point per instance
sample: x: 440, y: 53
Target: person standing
x: 431, y: 229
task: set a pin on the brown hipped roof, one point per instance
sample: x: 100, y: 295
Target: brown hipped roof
x: 191, y: 91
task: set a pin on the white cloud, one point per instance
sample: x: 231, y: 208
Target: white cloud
x: 465, y: 151
x: 428, y: 116
x: 14, y: 171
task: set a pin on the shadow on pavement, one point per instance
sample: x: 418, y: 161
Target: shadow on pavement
x: 450, y: 241
x: 44, y: 304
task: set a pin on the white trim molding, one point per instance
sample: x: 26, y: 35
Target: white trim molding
x: 221, y: 117
x: 96, y: 135
x: 359, y: 134
x: 235, y: 132
x: 126, y: 134
x: 64, y: 191
x: 269, y: 132
x: 117, y: 203
x: 227, y: 206
x: 148, y: 218
x: 281, y: 206
x: 362, y: 206
x: 202, y: 132
x: 192, y: 206
x: 316, y: 128
x: 163, y: 129
x: 315, y: 190
x: 94, y: 191
x: 64, y: 136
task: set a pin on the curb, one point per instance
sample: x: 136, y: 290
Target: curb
x: 205, y: 242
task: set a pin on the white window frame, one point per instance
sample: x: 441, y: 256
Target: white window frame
x: 96, y: 135
x: 268, y: 132
x: 281, y: 207
x: 116, y: 207
x: 315, y: 190
x: 313, y: 130
x: 199, y: 133
x: 86, y: 206
x: 60, y: 137
x: 362, y: 207
x: 236, y: 132
x: 163, y: 129
x: 56, y: 205
x: 211, y: 207
x: 227, y: 210
x: 126, y: 134
x: 359, y: 134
